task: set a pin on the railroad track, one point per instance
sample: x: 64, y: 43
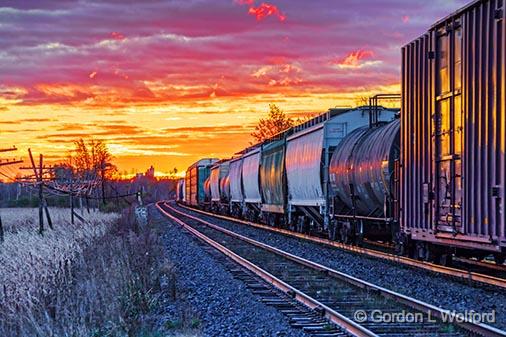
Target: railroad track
x: 461, y: 274
x: 346, y: 301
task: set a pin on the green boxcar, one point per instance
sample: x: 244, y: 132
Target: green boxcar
x: 196, y: 175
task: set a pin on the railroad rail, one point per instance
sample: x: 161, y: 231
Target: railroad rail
x: 465, y: 275
x: 338, y: 296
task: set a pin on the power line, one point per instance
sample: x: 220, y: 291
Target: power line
x: 89, y: 196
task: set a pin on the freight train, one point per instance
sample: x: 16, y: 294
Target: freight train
x: 429, y: 178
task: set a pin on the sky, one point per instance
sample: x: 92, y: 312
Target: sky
x: 165, y: 83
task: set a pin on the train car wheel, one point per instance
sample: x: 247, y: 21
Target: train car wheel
x: 499, y: 258
x: 332, y: 231
x: 445, y: 259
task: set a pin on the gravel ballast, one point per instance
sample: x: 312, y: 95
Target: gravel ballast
x: 420, y: 284
x: 207, y: 291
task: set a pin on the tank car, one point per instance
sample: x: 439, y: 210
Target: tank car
x: 362, y: 176
x: 453, y: 135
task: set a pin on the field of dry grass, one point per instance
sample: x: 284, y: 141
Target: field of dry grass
x: 92, y: 279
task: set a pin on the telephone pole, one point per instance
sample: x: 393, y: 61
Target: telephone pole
x: 7, y: 163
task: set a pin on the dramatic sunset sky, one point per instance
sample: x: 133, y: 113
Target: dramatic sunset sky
x: 166, y: 82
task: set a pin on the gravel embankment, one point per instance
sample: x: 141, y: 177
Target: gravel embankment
x: 221, y: 304
x: 422, y: 285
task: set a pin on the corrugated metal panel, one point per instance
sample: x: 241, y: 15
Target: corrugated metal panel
x: 303, y: 169
x: 235, y: 177
x: 203, y: 174
x: 453, y: 127
x: 365, y: 160
x: 191, y: 186
x: 272, y: 173
x: 250, y: 177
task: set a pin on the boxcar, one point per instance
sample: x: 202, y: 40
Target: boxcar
x: 453, y: 132
x: 196, y: 175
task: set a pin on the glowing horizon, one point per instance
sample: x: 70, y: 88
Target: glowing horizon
x: 165, y: 83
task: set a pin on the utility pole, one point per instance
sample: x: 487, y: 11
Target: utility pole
x: 1, y: 230
x: 71, y: 196
x: 102, y: 171
x: 39, y: 174
x: 41, y: 197
x: 6, y: 163
x: 38, y: 180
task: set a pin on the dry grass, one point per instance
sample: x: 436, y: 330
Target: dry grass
x: 95, y: 279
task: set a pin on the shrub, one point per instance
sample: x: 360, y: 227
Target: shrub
x: 102, y: 278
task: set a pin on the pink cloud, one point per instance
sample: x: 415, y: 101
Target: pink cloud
x: 118, y: 36
x: 172, y: 46
x: 244, y: 2
x: 405, y: 18
x: 356, y: 59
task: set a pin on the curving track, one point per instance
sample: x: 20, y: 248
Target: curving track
x: 339, y: 297
x: 487, y: 275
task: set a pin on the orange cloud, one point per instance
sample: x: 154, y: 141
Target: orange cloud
x: 265, y: 10
x: 356, y: 59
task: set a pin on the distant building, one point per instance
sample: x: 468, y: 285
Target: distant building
x: 146, y: 176
x: 150, y: 173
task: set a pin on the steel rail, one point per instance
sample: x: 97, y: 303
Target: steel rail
x: 333, y: 316
x: 478, y: 328
x: 449, y: 271
x: 489, y: 265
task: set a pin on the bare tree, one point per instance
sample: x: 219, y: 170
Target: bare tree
x: 361, y: 100
x: 275, y: 122
x: 91, y: 159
